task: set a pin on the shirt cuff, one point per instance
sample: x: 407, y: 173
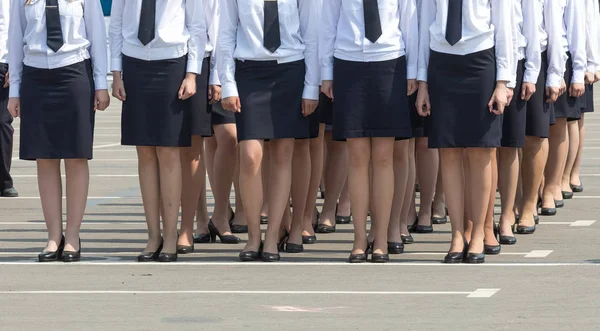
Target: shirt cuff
x: 14, y: 90
x: 100, y: 82
x: 194, y: 67
x: 116, y: 64
x: 504, y: 75
x: 214, y: 78
x: 553, y: 80
x: 310, y: 92
x: 512, y: 84
x: 578, y: 77
x: 229, y: 90
x: 531, y: 76
x: 422, y: 75
x: 411, y: 73
x: 326, y: 73
x: 591, y: 67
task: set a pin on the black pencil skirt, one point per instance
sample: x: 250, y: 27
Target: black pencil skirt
x: 325, y: 109
x: 539, y: 112
x: 418, y: 122
x: 199, y: 107
x: 370, y: 99
x: 515, y: 115
x: 153, y: 114
x: 460, y: 88
x: 271, y: 100
x: 220, y: 116
x: 587, y: 100
x: 567, y: 106
x: 57, y: 112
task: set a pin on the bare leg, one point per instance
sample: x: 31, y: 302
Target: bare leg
x: 468, y: 212
x: 78, y: 183
x: 428, y: 161
x: 535, y: 155
x: 251, y: 189
x: 336, y: 174
x: 359, y: 155
x: 401, y: 169
x: 489, y: 235
x: 240, y: 212
x: 224, y: 167
x: 316, y: 171
x: 439, y: 201
x: 573, y: 132
x: 575, y: 180
x: 193, y: 181
x: 170, y: 193
x: 480, y: 181
x: 508, y: 178
x: 301, y: 178
x: 557, y: 155
x: 409, y: 213
x: 266, y: 176
x: 452, y: 175
x: 50, y: 187
x: 150, y: 187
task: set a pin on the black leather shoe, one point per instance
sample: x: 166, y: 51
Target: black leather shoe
x: 536, y: 218
x: 559, y: 203
x: 250, y: 256
x: 309, y: 240
x: 10, y: 193
x: 293, y: 248
x: 491, y: 250
x: 567, y: 195
x: 407, y: 239
x: 322, y: 228
x: 264, y: 219
x: 548, y: 212
x: 69, y: 256
x: 395, y: 248
x: 202, y: 238
x: 439, y: 220
x: 357, y: 258
x: 422, y: 229
x: 214, y: 233
x: 167, y: 257
x: 475, y: 258
x: 577, y: 188
x: 456, y: 257
x: 507, y: 240
x: 151, y: 256
x: 525, y: 229
x: 182, y: 249
x: 53, y: 256
x: 343, y: 219
x: 270, y: 257
x: 411, y: 227
x: 380, y: 258
x: 238, y: 228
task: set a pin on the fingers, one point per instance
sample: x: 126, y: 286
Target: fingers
x: 238, y: 105
x: 210, y: 93
x: 181, y: 92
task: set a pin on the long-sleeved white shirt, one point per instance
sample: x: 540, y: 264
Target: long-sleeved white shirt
x: 211, y: 9
x: 84, y: 36
x: 4, y: 21
x: 557, y: 56
x: 486, y: 24
x: 571, y: 29
x: 180, y: 29
x: 241, y: 38
x: 343, y: 34
x: 527, y: 18
x: 592, y: 20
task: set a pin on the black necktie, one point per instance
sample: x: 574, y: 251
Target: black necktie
x: 54, y: 36
x: 147, y: 21
x: 272, y: 39
x: 454, y: 22
x: 372, y: 20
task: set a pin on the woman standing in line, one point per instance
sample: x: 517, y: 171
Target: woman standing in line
x: 268, y: 67
x: 368, y: 67
x: 465, y: 64
x: 157, y: 50
x: 58, y: 67
x: 567, y: 108
x: 571, y: 181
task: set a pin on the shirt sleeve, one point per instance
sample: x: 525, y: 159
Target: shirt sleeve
x: 212, y: 24
x: 309, y: 31
x: 328, y: 23
x: 501, y: 18
x: 575, y: 23
x: 556, y: 56
x: 96, y: 34
x: 532, y: 19
x: 228, y: 26
x: 409, y: 26
x: 428, y: 11
x: 195, y: 21
x: 592, y: 42
x: 115, y: 35
x: 16, y: 31
x: 515, y: 46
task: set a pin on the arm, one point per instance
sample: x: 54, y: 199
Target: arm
x: 515, y: 54
x: 533, y: 51
x: 309, y: 19
x: 592, y: 34
x: 501, y: 18
x: 16, y: 31
x: 212, y: 24
x: 556, y: 58
x: 115, y: 35
x: 329, y: 20
x: 96, y: 34
x: 195, y: 21
x: 574, y: 17
x: 228, y: 25
x: 428, y: 12
x: 409, y: 26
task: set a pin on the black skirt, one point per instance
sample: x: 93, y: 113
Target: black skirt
x: 201, y: 119
x: 566, y: 106
x: 370, y: 99
x: 325, y: 109
x: 57, y: 112
x: 539, y: 112
x: 417, y: 121
x: 515, y: 115
x: 220, y: 116
x: 271, y: 100
x: 460, y: 88
x: 587, y: 100
x: 314, y: 122
x: 153, y: 114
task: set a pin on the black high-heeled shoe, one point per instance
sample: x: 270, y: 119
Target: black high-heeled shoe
x: 491, y: 249
x: 456, y: 257
x: 525, y: 229
x: 407, y: 239
x: 70, y: 256
x: 293, y: 248
x: 380, y: 258
x: 270, y: 257
x: 202, y: 238
x: 559, y: 203
x: 151, y: 256
x: 343, y: 219
x: 395, y: 248
x: 323, y: 228
x: 184, y: 249
x: 225, y: 239
x: 577, y: 188
x: 237, y: 228
x: 282, y: 241
x: 167, y: 257
x: 359, y: 258
x: 53, y: 256
x: 504, y: 240
x: 439, y: 220
x: 422, y: 228
x: 309, y: 240
x: 475, y: 258
x: 567, y: 195
x: 536, y: 218
x: 411, y: 227
x: 250, y: 256
x: 548, y: 212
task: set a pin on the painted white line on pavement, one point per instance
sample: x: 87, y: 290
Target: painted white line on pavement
x: 28, y: 198
x: 483, y: 293
x: 589, y: 175
x: 539, y: 253
x: 556, y: 223
x: 101, y: 254
x: 586, y: 197
x: 583, y: 223
x: 33, y: 262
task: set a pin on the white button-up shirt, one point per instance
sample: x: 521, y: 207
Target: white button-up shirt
x: 570, y: 30
x: 592, y: 20
x: 4, y: 15
x: 211, y: 9
x: 84, y: 36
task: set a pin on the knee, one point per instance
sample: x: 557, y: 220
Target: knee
x: 401, y: 153
x: 479, y: 156
x: 146, y: 154
x: 168, y: 155
x: 282, y: 151
x: 533, y: 145
x: 250, y: 160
